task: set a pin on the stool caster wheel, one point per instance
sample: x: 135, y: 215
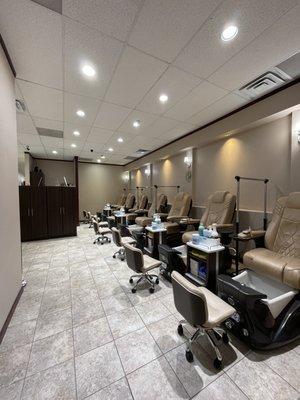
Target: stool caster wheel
x: 130, y: 280
x: 133, y: 290
x: 151, y: 290
x: 189, y: 356
x: 225, y: 338
x: 180, y: 330
x: 114, y: 256
x: 101, y: 243
x: 109, y: 240
x: 217, y: 364
x: 157, y: 281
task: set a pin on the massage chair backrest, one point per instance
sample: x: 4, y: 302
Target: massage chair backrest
x: 130, y: 199
x: 220, y: 208
x: 283, y: 233
x: 182, y: 205
x: 189, y: 300
x: 116, y: 237
x: 143, y: 202
x: 134, y: 257
x: 95, y: 226
x: 122, y: 199
x: 161, y: 205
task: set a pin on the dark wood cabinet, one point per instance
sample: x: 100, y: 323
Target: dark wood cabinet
x: 47, y: 212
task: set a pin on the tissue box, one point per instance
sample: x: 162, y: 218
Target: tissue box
x: 209, y: 242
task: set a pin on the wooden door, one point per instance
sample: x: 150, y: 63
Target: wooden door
x: 25, y: 213
x: 39, y: 226
x: 69, y: 211
x: 54, y: 211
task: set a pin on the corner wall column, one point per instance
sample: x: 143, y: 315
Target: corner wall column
x: 77, y: 187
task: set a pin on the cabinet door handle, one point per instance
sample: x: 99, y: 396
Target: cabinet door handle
x: 28, y: 212
x: 32, y: 212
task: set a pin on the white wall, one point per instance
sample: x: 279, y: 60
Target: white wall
x: 10, y: 245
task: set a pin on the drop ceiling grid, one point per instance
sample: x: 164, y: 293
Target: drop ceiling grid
x: 31, y: 11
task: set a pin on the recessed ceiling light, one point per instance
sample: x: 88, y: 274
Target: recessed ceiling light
x: 88, y: 70
x: 80, y: 113
x: 54, y: 152
x: 229, y: 33
x: 76, y: 133
x: 136, y: 123
x: 98, y: 161
x: 103, y: 157
x: 110, y: 149
x: 163, y: 98
x: 120, y: 140
x: 73, y: 145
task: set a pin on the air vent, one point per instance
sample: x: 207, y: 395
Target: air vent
x: 20, y: 106
x: 50, y: 133
x: 129, y: 158
x: 265, y: 83
x: 83, y: 159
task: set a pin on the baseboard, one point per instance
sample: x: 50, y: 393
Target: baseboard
x: 10, y: 314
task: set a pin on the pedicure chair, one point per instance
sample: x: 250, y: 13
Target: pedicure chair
x: 266, y: 294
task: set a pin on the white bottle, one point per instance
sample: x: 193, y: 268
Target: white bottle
x: 214, y: 232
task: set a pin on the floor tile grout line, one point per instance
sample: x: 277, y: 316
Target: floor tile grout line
x: 30, y: 352
x: 236, y: 384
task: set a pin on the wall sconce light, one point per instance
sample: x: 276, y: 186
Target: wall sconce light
x: 125, y: 177
x: 188, y: 161
x: 299, y: 137
x: 147, y: 171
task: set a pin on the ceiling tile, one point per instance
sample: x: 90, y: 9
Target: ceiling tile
x: 82, y: 46
x: 25, y: 124
x: 206, y: 52
x: 29, y: 140
x: 111, y: 116
x: 96, y: 147
x: 164, y: 27
x: 221, y: 107
x: 135, y: 74
x: 180, y: 129
x: 27, y: 29
x: 42, y: 101
x: 145, y: 120
x: 199, y: 98
x: 48, y: 124
x: 51, y: 143
x: 112, y: 17
x: 175, y: 84
x: 68, y: 147
x: 38, y: 151
x: 161, y: 125
x: 119, y: 147
x: 98, y: 135
x: 73, y: 103
x: 70, y: 128
x: 273, y: 46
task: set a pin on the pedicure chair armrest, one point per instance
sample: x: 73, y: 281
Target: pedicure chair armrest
x: 177, y: 218
x: 163, y: 216
x: 141, y: 212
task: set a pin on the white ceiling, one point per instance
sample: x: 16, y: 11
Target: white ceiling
x: 140, y: 49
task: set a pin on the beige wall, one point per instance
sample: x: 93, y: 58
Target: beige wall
x: 98, y: 184
x: 171, y: 171
x: 262, y: 152
x: 10, y: 245
x: 55, y: 171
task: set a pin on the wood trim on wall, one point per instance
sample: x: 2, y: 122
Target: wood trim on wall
x: 10, y: 314
x: 77, y: 188
x: 79, y: 162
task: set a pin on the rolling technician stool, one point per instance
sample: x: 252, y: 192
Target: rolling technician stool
x: 119, y: 241
x: 101, y: 233
x: 141, y: 264
x: 203, y: 310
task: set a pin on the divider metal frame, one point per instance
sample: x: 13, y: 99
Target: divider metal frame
x: 237, y: 214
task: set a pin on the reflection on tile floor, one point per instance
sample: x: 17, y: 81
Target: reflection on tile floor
x: 79, y: 333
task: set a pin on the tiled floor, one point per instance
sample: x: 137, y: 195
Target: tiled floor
x: 79, y: 333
